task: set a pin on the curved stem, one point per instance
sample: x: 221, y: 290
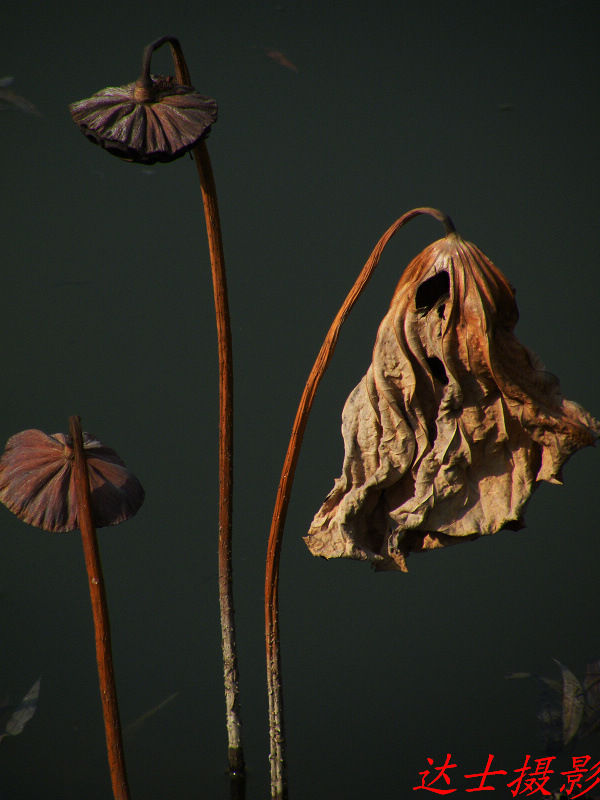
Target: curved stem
x: 276, y: 722
x: 217, y: 260
x: 143, y: 90
x: 106, y: 676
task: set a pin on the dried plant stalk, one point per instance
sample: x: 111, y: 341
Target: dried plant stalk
x: 217, y: 260
x: 160, y: 118
x: 230, y: 669
x: 106, y: 676
x: 274, y: 680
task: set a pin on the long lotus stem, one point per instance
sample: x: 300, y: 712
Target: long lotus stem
x: 276, y: 722
x: 106, y: 676
x: 217, y: 260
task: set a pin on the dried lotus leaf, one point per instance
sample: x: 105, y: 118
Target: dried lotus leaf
x: 454, y: 424
x: 161, y: 129
x: 37, y: 481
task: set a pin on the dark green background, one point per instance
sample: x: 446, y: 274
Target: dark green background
x: 486, y: 109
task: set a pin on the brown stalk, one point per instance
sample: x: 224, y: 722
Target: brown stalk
x: 217, y: 260
x: 108, y: 690
x: 279, y: 789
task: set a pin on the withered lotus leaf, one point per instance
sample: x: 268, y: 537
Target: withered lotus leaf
x: 159, y: 121
x: 454, y: 424
x: 37, y: 481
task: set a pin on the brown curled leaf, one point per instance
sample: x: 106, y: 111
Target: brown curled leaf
x: 454, y: 424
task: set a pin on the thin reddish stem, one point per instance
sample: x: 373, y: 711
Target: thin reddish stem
x: 276, y: 722
x: 217, y: 260
x: 108, y: 690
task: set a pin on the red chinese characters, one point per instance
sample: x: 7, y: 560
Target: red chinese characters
x: 532, y: 778
x: 484, y: 775
x: 530, y: 781
x: 441, y: 774
x: 575, y: 776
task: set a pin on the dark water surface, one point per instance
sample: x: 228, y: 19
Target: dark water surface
x: 487, y: 110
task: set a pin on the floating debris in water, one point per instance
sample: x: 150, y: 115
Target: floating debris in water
x: 23, y: 713
x: 9, y: 101
x: 137, y: 723
x: 280, y: 59
x: 568, y: 709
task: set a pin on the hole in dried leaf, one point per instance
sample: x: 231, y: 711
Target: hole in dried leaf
x: 437, y: 369
x: 432, y: 290
x: 432, y: 431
